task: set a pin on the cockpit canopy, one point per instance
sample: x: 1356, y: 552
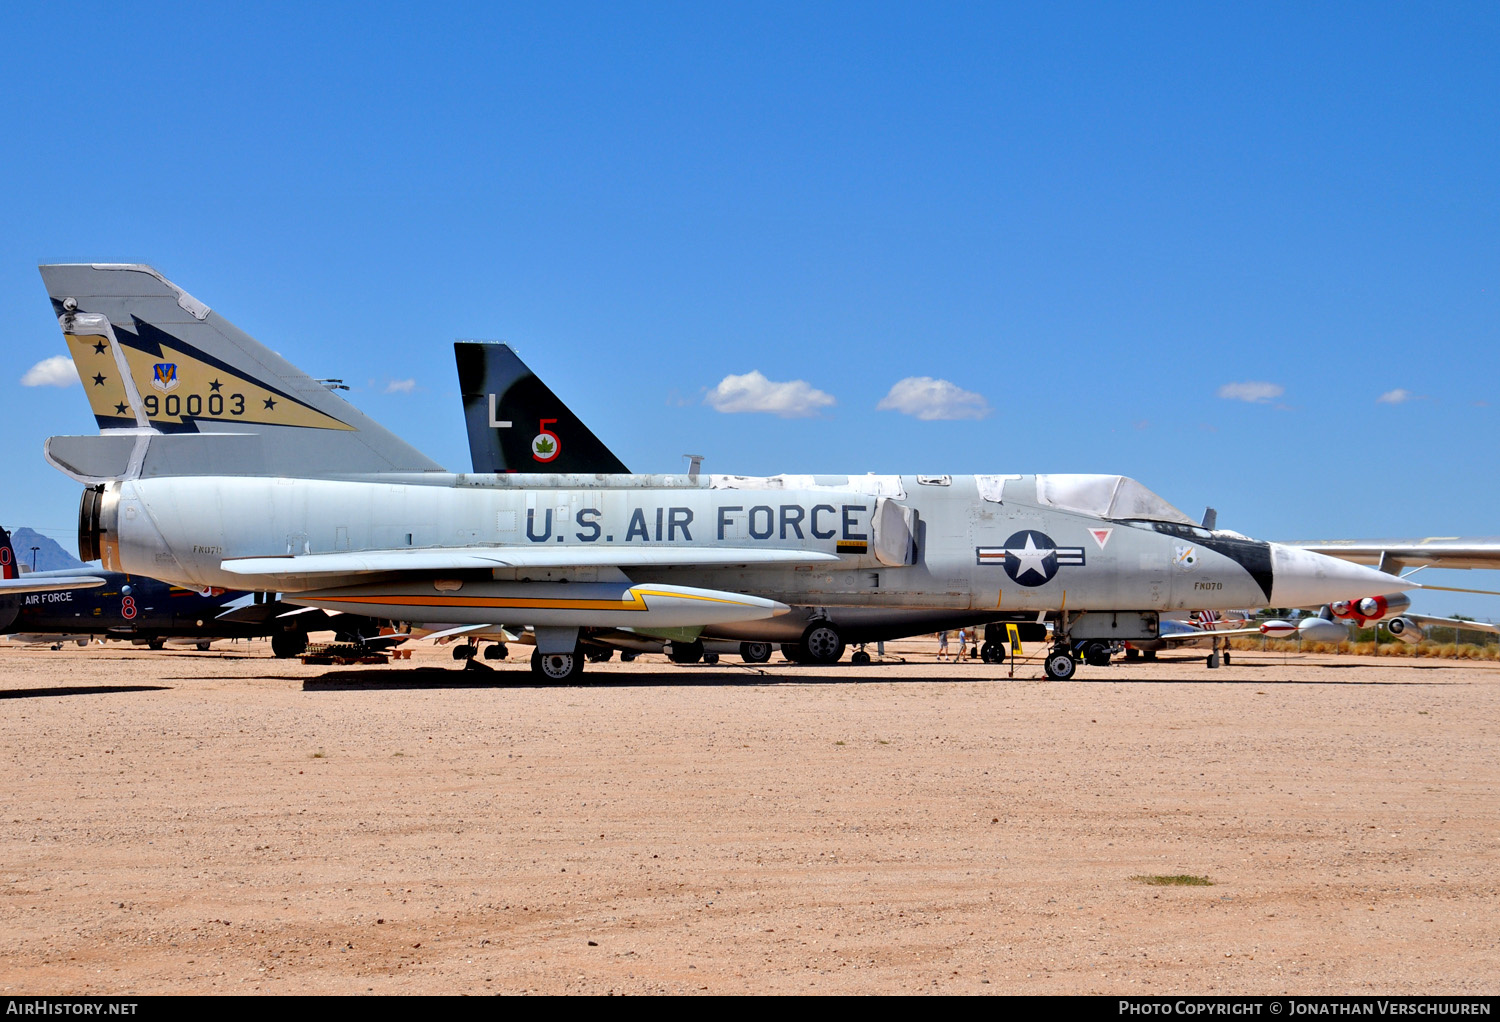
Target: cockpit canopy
x: 1102, y: 496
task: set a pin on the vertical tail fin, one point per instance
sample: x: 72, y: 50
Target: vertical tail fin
x: 158, y: 363
x: 516, y: 423
x: 8, y: 567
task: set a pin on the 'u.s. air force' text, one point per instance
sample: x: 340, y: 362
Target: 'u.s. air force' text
x: 676, y: 524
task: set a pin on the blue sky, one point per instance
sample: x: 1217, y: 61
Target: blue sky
x: 1079, y: 223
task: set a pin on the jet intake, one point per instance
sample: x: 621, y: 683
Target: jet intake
x: 895, y: 529
x: 1370, y: 608
x: 1405, y: 630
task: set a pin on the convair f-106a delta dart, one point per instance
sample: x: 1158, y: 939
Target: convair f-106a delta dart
x: 220, y: 464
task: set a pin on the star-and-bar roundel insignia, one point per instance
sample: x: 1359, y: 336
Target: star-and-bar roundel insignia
x: 1030, y: 557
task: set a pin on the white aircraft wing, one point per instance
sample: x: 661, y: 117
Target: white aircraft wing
x: 1198, y: 635
x: 461, y: 558
x: 1396, y: 555
x: 1452, y: 622
x: 47, y: 583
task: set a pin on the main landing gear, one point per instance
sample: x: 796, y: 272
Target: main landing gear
x: 1096, y: 653
x: 755, y: 652
x: 288, y: 644
x: 821, y: 645
x: 684, y: 652
x: 1062, y: 663
x: 468, y: 654
x: 468, y: 651
x: 553, y: 667
x: 1216, y: 657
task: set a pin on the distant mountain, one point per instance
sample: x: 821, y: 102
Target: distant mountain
x: 49, y: 554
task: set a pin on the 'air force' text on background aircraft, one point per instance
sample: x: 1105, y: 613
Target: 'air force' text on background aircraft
x: 221, y: 464
x: 83, y: 603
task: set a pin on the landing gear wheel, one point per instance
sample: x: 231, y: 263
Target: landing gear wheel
x: 1148, y: 654
x: 498, y: 651
x: 685, y: 652
x: 155, y: 643
x: 793, y: 653
x: 755, y: 652
x: 627, y: 655
x: 992, y: 653
x: 556, y: 666
x: 599, y: 656
x: 464, y: 652
x: 859, y: 657
x: 1132, y: 654
x: 710, y: 658
x: 1096, y: 654
x: 202, y: 645
x: 1226, y: 658
x: 822, y: 644
x: 1060, y: 665
x: 288, y: 644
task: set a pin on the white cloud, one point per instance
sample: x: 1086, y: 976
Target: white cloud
x: 56, y: 371
x: 1252, y: 391
x: 401, y: 386
x: 1395, y: 397
x: 928, y: 399
x: 752, y: 392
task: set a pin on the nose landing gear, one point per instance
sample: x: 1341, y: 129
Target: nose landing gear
x: 1060, y: 665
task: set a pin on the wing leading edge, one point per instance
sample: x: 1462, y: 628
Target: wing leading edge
x: 1396, y: 555
x: 470, y: 558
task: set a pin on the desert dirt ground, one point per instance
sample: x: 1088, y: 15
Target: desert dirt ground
x: 185, y: 822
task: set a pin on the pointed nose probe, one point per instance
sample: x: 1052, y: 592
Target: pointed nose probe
x: 1301, y: 578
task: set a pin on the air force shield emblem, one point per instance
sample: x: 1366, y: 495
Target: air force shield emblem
x: 164, y: 377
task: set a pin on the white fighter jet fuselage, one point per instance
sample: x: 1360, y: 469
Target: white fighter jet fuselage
x: 220, y: 464
x: 975, y: 542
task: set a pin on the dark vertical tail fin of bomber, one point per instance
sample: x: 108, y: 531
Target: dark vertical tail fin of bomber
x: 8, y: 567
x: 516, y: 423
x: 177, y: 389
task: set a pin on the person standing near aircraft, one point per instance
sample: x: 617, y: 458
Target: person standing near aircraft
x: 942, y: 645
